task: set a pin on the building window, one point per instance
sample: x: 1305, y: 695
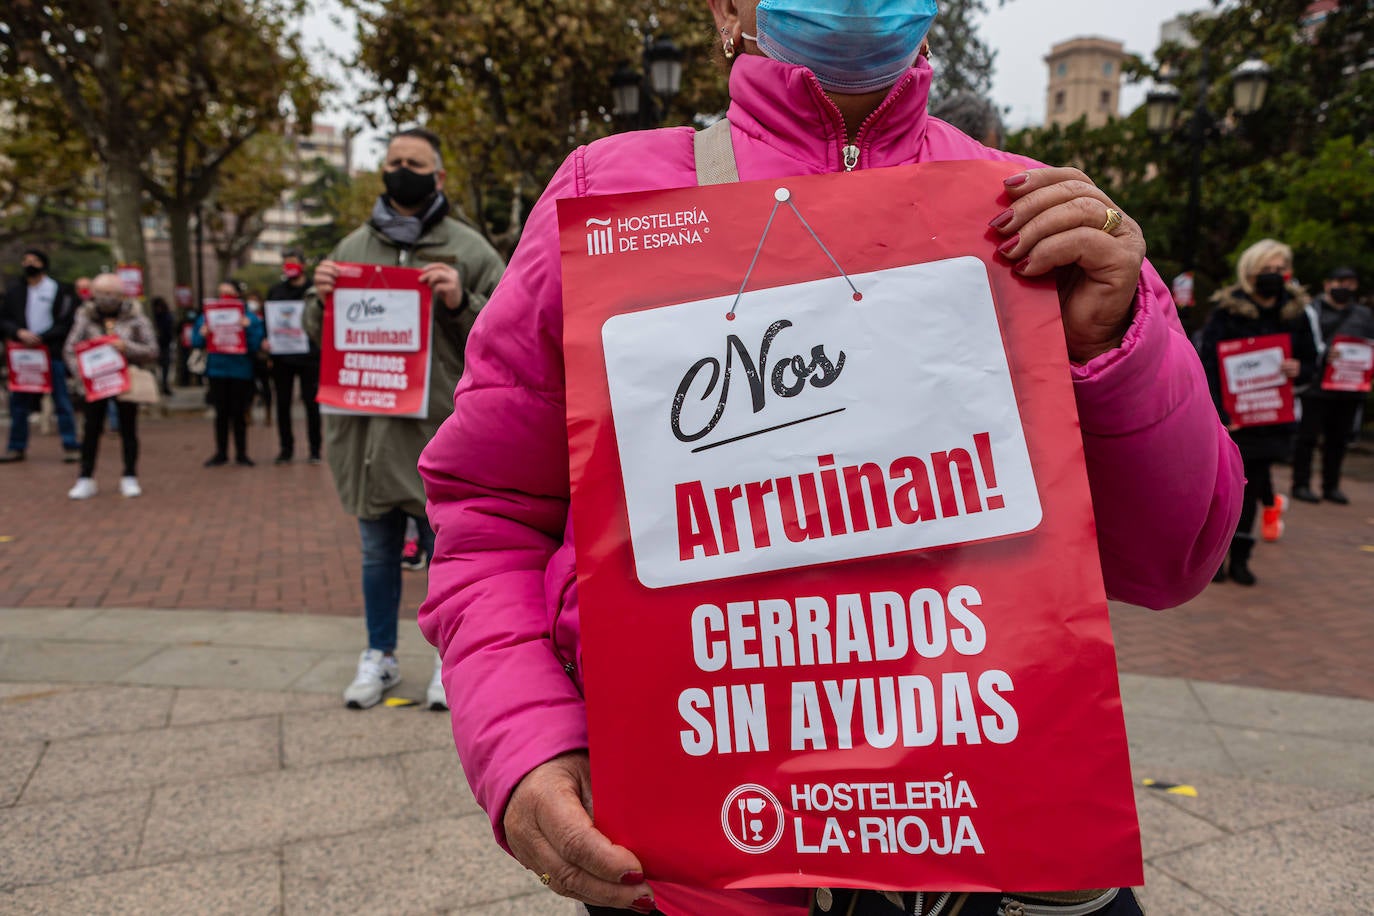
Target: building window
x: 1059, y: 100
x: 1105, y: 100
x: 1062, y: 69
x: 1107, y: 69
x: 97, y: 228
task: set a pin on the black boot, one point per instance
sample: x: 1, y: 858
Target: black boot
x: 1220, y: 574
x: 1241, y: 545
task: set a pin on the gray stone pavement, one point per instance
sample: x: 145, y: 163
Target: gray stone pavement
x: 201, y: 762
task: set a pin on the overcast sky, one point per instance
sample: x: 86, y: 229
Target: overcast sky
x: 1021, y: 32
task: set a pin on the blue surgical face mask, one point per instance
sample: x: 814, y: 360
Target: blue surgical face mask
x: 852, y: 46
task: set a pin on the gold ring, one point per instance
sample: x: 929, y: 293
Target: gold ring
x: 1113, y: 221
x: 544, y: 879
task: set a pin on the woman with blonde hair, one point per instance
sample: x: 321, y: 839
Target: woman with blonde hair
x: 1264, y: 300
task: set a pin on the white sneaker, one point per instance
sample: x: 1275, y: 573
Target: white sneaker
x: 84, y: 489
x: 435, y: 696
x: 377, y: 673
x: 129, y: 488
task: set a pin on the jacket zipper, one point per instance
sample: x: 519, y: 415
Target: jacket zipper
x: 850, y: 152
x: 1013, y: 907
x: 938, y: 907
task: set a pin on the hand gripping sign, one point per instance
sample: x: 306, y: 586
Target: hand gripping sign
x: 1254, y: 390
x: 224, y: 330
x: 1349, y: 364
x: 285, y: 333
x: 102, y: 367
x: 842, y: 612
x: 30, y: 371
x: 375, y: 343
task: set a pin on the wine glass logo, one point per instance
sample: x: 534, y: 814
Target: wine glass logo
x: 752, y: 818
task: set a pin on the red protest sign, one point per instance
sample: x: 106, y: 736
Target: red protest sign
x: 103, y: 370
x: 375, y: 343
x: 224, y: 330
x: 30, y: 371
x: 182, y: 294
x: 1349, y: 364
x: 835, y: 546
x: 131, y: 276
x: 1254, y: 390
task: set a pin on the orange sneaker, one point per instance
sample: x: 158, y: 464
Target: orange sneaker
x: 1271, y: 523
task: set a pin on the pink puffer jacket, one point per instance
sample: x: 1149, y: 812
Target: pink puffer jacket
x: 502, y: 606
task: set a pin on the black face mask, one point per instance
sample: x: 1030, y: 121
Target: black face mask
x: 407, y: 188
x: 1341, y: 295
x: 1269, y: 286
x: 32, y: 270
x: 107, y: 305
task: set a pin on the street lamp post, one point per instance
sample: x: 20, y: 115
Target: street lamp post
x: 1249, y: 81
x: 640, y: 98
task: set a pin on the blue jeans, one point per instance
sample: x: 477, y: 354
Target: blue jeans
x: 21, y: 405
x: 383, y: 539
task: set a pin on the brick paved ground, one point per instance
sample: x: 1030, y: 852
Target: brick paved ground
x: 1307, y: 626
x: 275, y: 539
x: 265, y: 538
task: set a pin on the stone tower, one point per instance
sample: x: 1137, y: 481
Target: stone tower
x: 1085, y: 80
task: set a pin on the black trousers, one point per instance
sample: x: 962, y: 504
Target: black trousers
x: 284, y: 375
x: 232, y: 398
x: 94, y: 413
x: 1331, y: 420
x: 1259, y: 491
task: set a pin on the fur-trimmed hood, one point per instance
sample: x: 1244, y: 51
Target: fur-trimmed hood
x: 1235, y: 300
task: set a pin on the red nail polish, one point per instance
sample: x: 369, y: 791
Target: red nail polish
x: 1006, y: 247
x: 1016, y: 181
x: 1002, y: 219
x: 643, y: 904
x: 1021, y: 268
x: 632, y: 878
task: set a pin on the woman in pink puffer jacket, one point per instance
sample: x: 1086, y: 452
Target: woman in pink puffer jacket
x: 502, y: 604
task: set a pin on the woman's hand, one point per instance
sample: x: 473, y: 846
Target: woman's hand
x: 549, y: 828
x: 1289, y: 368
x: 1056, y: 222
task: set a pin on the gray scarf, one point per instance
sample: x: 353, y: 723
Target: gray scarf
x: 405, y: 231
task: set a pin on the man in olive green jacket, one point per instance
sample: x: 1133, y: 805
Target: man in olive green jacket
x: 374, y: 458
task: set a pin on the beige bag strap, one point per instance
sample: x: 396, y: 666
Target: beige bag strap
x: 715, y: 154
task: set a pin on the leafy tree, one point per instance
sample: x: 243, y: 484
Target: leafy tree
x: 165, y: 91
x: 1280, y: 171
x: 46, y: 166
x: 251, y: 182
x: 963, y: 63
x: 334, y: 204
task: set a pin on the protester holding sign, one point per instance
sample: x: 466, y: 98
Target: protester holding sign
x: 37, y: 312
x: 1264, y: 301
x: 294, y: 356
x: 1330, y: 404
x: 111, y: 316
x: 230, y: 374
x: 506, y: 576
x: 373, y: 451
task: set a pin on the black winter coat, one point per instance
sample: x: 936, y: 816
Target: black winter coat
x: 1354, y: 320
x: 1237, y: 316
x: 14, y: 315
